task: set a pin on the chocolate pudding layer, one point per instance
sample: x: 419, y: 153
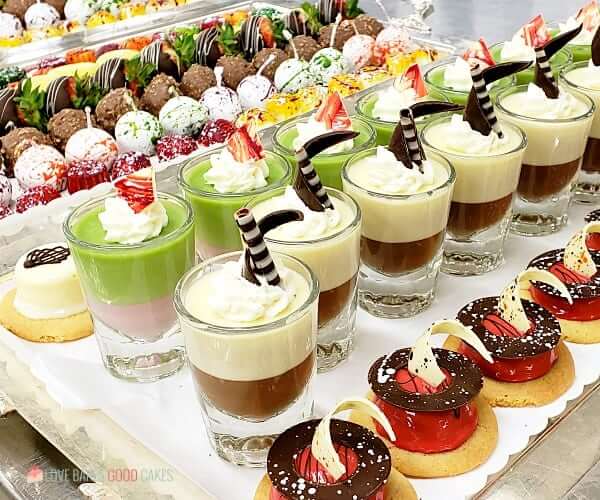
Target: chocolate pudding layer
x: 468, y: 218
x: 541, y: 181
x: 591, y: 157
x: 333, y: 302
x: 399, y: 258
x: 255, y: 399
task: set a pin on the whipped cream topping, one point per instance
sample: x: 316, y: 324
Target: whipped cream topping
x: 457, y: 76
x: 584, y: 38
x: 390, y: 101
x: 383, y: 173
x: 517, y: 50
x: 313, y: 128
x: 227, y: 175
x: 588, y: 77
x: 235, y: 299
x: 535, y: 104
x: 123, y: 225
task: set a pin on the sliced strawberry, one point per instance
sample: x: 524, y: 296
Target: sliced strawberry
x: 498, y: 326
x: 480, y: 52
x: 266, y: 31
x: 589, y: 15
x: 72, y: 88
x: 333, y: 113
x: 245, y: 146
x: 413, y: 78
x: 535, y: 32
x: 137, y: 189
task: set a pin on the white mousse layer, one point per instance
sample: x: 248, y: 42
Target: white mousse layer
x: 587, y: 79
x: 487, y: 167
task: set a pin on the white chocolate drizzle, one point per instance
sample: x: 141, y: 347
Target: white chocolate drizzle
x: 577, y: 256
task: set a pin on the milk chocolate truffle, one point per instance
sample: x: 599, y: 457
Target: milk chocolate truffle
x: 262, y: 56
x: 342, y: 35
x: 235, y: 69
x: 305, y: 45
x: 19, y: 7
x: 196, y: 80
x: 368, y: 25
x: 114, y: 105
x: 64, y: 124
x: 17, y: 141
x: 158, y: 92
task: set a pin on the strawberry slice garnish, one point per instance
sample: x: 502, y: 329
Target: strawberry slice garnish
x: 137, y: 189
x: 589, y: 15
x: 535, y: 32
x: 480, y: 52
x: 498, y: 326
x: 568, y: 276
x: 266, y: 31
x: 244, y: 145
x: 333, y: 113
x: 413, y: 78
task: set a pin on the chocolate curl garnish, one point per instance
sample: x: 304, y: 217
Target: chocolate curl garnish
x: 596, y: 48
x: 307, y: 185
x: 278, y: 218
x: 42, y: 256
x: 257, y: 259
x: 479, y: 112
x: 543, y: 72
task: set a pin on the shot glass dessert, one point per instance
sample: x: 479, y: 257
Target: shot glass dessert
x: 580, y: 46
x: 327, y: 239
x: 405, y: 202
x: 381, y: 108
x: 220, y: 183
x: 584, y: 77
x: 529, y: 365
x: 333, y: 458
x: 332, y: 115
x: 130, y: 251
x: 442, y: 424
x: 250, y: 327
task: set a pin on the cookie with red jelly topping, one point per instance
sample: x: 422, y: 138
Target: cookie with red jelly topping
x: 175, y: 146
x: 128, y: 163
x: 85, y: 174
x: 39, y: 195
x: 5, y: 211
x: 593, y: 240
x: 216, y: 132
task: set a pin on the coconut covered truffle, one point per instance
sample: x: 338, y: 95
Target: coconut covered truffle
x: 343, y: 33
x: 196, y: 80
x: 235, y: 69
x: 17, y: 141
x: 113, y: 106
x: 305, y: 45
x: 279, y: 56
x: 64, y: 124
x: 161, y: 89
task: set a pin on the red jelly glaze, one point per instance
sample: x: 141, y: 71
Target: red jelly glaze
x: 593, y: 242
x: 310, y: 469
x: 580, y: 310
x: 427, y: 432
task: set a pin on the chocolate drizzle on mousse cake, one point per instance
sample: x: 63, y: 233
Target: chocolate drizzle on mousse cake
x: 43, y: 256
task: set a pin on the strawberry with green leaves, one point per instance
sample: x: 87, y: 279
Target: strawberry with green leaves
x: 228, y: 40
x: 31, y: 104
x: 84, y: 92
x: 138, y: 75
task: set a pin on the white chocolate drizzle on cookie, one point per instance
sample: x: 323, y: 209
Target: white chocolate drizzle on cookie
x: 510, y: 304
x: 422, y: 362
x: 322, y: 446
x: 577, y: 256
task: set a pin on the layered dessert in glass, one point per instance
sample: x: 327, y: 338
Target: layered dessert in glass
x: 130, y: 250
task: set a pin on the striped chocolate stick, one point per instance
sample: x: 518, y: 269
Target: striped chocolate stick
x: 257, y: 259
x: 483, y: 98
x: 409, y: 131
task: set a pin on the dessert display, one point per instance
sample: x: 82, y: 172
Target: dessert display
x: 333, y: 458
x: 326, y: 238
x: 131, y: 248
x: 523, y: 46
x: 220, y: 183
x: 589, y: 17
x: 405, y: 198
x: 46, y: 304
x: 250, y: 325
x: 529, y: 365
x: 487, y: 156
x: 576, y: 267
x: 331, y: 116
x: 584, y: 77
x: 442, y: 425
x: 557, y: 122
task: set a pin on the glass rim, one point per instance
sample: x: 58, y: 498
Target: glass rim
x: 521, y: 88
x: 566, y: 50
x: 189, y: 164
x: 563, y: 76
x: 285, y: 126
x: 371, y: 151
x: 332, y: 191
x: 158, y: 240
x: 522, y: 145
x: 190, y: 276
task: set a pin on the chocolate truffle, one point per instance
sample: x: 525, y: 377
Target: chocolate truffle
x: 64, y: 124
x: 305, y: 45
x: 17, y: 141
x: 114, y: 105
x: 17, y: 7
x: 262, y: 56
x: 343, y: 33
x: 235, y: 69
x: 158, y: 92
x: 196, y: 80
x: 368, y: 25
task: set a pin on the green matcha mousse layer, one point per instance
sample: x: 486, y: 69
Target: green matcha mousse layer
x: 328, y: 166
x: 216, y: 230
x: 131, y: 274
